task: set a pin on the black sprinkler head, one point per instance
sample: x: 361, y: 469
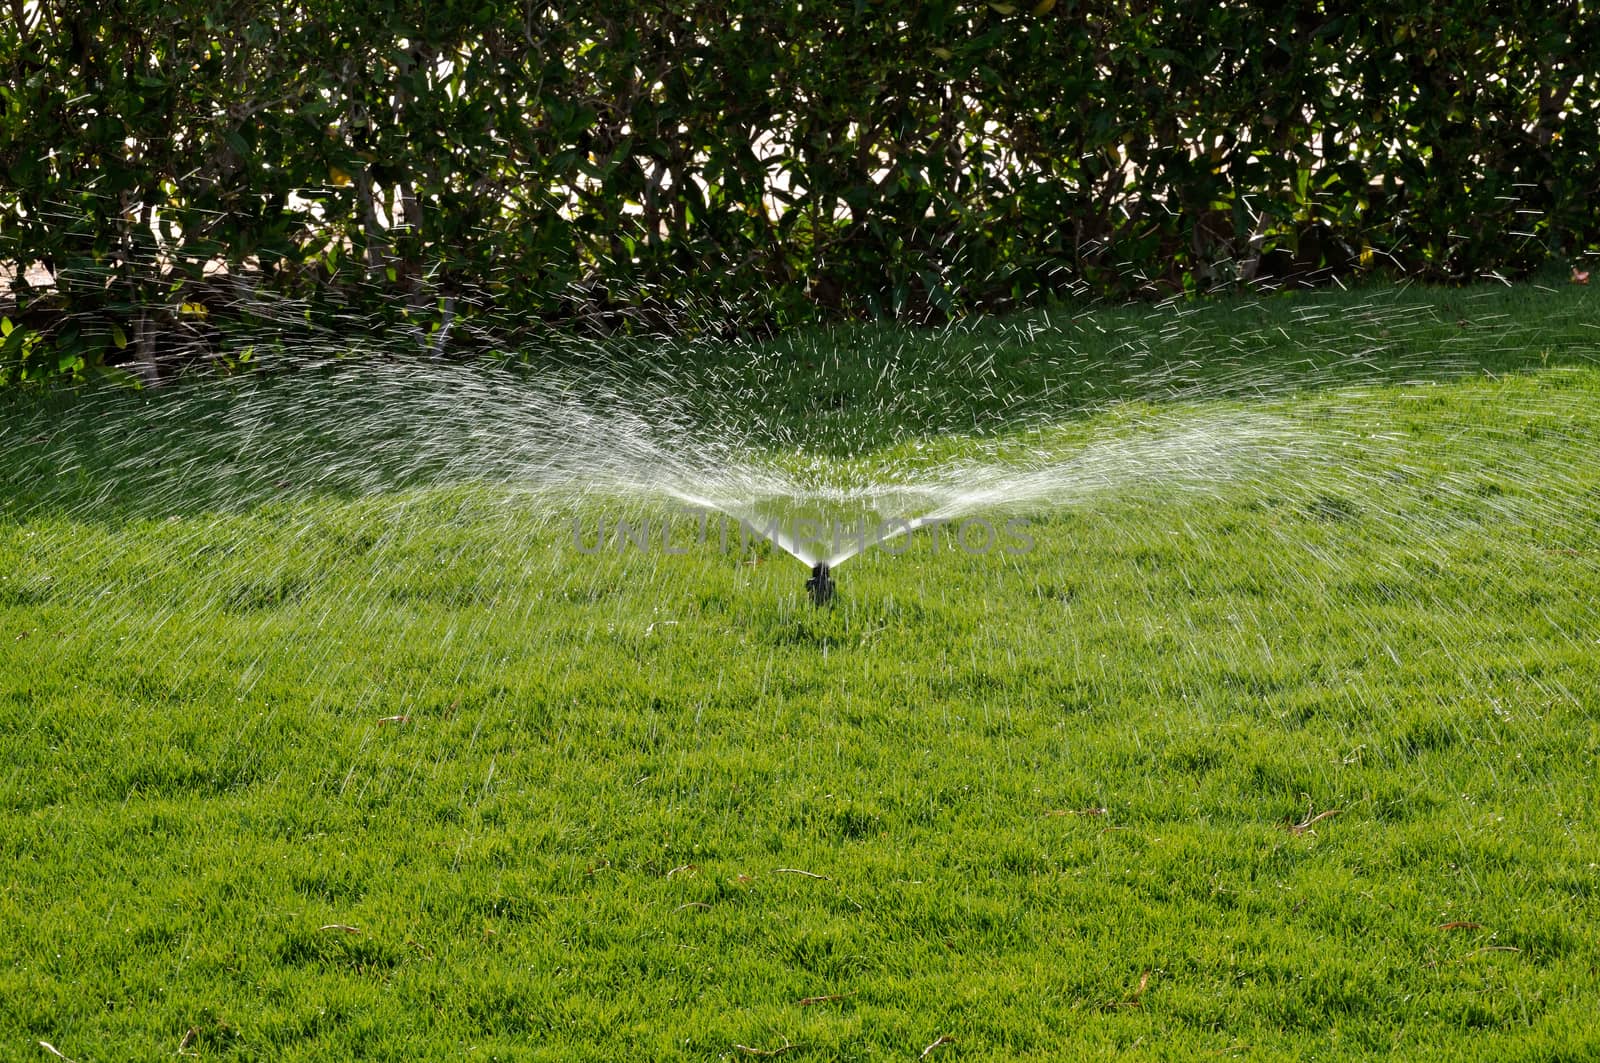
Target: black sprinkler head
x: 820, y: 585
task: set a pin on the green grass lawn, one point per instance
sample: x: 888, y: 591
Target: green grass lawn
x: 318, y: 764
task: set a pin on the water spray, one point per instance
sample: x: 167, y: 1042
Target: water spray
x: 820, y: 585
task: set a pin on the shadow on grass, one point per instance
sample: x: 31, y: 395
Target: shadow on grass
x: 370, y: 424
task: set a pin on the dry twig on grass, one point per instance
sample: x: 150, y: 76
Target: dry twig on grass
x: 54, y: 1051
x: 780, y: 1050
x: 1136, y: 999
x: 942, y: 1039
x: 797, y: 871
x: 1491, y: 948
x: 1312, y: 818
x: 1075, y: 812
x: 806, y: 1002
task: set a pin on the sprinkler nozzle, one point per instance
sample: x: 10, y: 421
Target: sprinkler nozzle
x: 820, y: 585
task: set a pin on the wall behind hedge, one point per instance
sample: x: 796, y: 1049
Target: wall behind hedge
x: 172, y: 164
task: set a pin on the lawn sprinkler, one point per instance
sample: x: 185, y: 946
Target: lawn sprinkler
x: 820, y: 585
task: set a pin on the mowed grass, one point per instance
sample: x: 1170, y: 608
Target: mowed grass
x: 1302, y: 765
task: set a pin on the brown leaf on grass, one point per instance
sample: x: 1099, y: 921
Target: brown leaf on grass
x: 1460, y: 925
x: 188, y: 1039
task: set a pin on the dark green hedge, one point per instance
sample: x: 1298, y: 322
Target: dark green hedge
x: 760, y: 162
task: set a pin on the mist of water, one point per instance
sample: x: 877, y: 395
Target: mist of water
x: 905, y: 432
